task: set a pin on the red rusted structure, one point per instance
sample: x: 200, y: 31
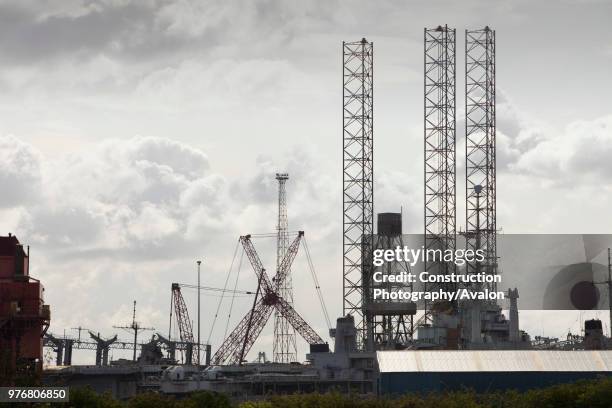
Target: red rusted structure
x: 267, y: 299
x: 183, y: 322
x: 24, y: 317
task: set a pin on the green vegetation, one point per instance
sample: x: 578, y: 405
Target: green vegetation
x: 587, y: 394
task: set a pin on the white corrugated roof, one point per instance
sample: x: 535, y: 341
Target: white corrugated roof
x: 493, y: 360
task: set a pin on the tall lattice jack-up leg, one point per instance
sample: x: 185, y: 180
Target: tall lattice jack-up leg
x: 440, y: 151
x: 480, y: 185
x: 357, y: 175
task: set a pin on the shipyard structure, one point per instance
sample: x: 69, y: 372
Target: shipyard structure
x: 24, y: 316
x: 376, y: 346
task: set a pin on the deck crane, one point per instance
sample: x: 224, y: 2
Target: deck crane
x: 178, y: 307
x: 182, y: 321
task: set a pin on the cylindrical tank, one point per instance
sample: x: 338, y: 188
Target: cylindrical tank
x: 390, y: 224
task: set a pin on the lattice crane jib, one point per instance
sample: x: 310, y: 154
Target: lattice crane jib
x: 182, y: 315
x: 237, y: 345
x: 440, y: 146
x: 481, y: 224
x: 357, y: 175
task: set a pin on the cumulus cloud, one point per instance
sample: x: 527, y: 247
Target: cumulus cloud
x: 578, y: 154
x: 120, y: 195
x: 516, y: 132
x: 575, y: 154
x: 124, y: 218
x: 20, y: 172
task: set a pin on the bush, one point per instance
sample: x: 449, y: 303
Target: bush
x: 582, y: 394
x: 205, y: 399
x: 87, y: 398
x: 151, y: 400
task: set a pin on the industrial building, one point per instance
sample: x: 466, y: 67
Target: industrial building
x: 486, y: 370
x: 24, y: 317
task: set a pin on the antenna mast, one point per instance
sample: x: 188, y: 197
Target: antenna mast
x: 135, y: 327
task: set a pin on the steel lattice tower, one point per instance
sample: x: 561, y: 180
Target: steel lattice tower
x: 480, y: 211
x: 440, y: 148
x: 284, y: 348
x: 357, y: 175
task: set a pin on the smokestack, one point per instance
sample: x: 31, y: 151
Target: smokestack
x: 514, y: 315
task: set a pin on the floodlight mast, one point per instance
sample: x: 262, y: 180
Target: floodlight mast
x: 284, y: 347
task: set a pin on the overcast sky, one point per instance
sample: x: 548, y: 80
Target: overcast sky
x: 139, y: 136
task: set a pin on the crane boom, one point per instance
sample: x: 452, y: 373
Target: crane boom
x: 182, y: 315
x: 241, y: 339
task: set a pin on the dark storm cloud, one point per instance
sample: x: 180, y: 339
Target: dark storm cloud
x: 140, y: 30
x: 129, y: 30
x: 33, y: 31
